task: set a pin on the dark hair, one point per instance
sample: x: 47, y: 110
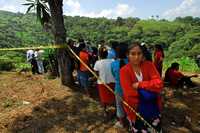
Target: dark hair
x: 82, y: 45
x: 95, y: 50
x: 80, y: 40
x: 70, y: 42
x: 174, y: 65
x: 135, y: 44
x: 146, y: 53
x: 121, y: 52
x: 159, y: 47
x: 103, y: 53
x: 114, y: 44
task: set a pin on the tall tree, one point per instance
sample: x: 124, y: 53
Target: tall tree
x: 54, y: 12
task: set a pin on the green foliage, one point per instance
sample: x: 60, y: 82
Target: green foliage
x: 187, y: 45
x: 19, y: 30
x: 42, y: 10
x: 11, y: 60
x: 6, y: 65
x: 179, y: 37
x: 20, y: 66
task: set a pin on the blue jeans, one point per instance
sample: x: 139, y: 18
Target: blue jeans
x: 40, y: 66
x: 83, y: 77
x: 119, y: 106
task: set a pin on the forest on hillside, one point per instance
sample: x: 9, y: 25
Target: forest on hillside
x: 180, y: 37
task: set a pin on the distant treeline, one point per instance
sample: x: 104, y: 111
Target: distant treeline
x: 179, y: 38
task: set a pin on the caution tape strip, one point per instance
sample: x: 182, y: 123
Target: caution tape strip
x: 33, y: 48
x: 94, y: 74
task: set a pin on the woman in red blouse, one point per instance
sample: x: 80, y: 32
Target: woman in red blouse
x: 138, y: 75
x: 158, y: 58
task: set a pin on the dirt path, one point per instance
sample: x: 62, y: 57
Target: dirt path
x: 34, y: 104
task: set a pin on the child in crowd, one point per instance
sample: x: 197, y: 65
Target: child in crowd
x: 83, y: 72
x: 103, y: 68
x: 121, y: 60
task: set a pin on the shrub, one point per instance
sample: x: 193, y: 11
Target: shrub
x: 19, y: 66
x: 6, y: 64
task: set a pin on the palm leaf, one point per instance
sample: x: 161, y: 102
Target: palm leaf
x: 38, y: 11
x: 29, y: 8
x: 27, y: 4
x: 30, y: 0
x: 45, y: 6
x: 45, y: 16
x: 41, y: 8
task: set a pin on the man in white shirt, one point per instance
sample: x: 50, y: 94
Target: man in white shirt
x: 29, y: 55
x: 38, y: 55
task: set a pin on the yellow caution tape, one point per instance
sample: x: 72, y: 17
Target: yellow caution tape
x: 33, y: 48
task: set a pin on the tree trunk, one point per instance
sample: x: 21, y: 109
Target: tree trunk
x: 59, y: 32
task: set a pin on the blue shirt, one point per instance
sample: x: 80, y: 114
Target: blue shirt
x: 111, y: 54
x: 115, y: 69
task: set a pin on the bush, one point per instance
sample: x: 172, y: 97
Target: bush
x: 19, y: 66
x: 12, y: 60
x: 6, y: 65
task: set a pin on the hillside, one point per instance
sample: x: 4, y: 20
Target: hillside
x: 180, y: 38
x: 182, y: 34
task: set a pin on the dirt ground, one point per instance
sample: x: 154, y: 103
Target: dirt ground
x: 35, y: 104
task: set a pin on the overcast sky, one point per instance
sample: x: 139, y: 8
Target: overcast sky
x: 144, y: 9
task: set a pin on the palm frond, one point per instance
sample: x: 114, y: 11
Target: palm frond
x: 30, y: 0
x: 42, y: 10
x: 38, y: 11
x: 27, y: 4
x: 29, y: 8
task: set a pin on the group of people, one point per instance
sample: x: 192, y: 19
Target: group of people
x: 133, y: 76
x: 130, y: 72
x: 36, y: 60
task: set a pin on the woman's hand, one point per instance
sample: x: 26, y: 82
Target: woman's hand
x: 135, y: 85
